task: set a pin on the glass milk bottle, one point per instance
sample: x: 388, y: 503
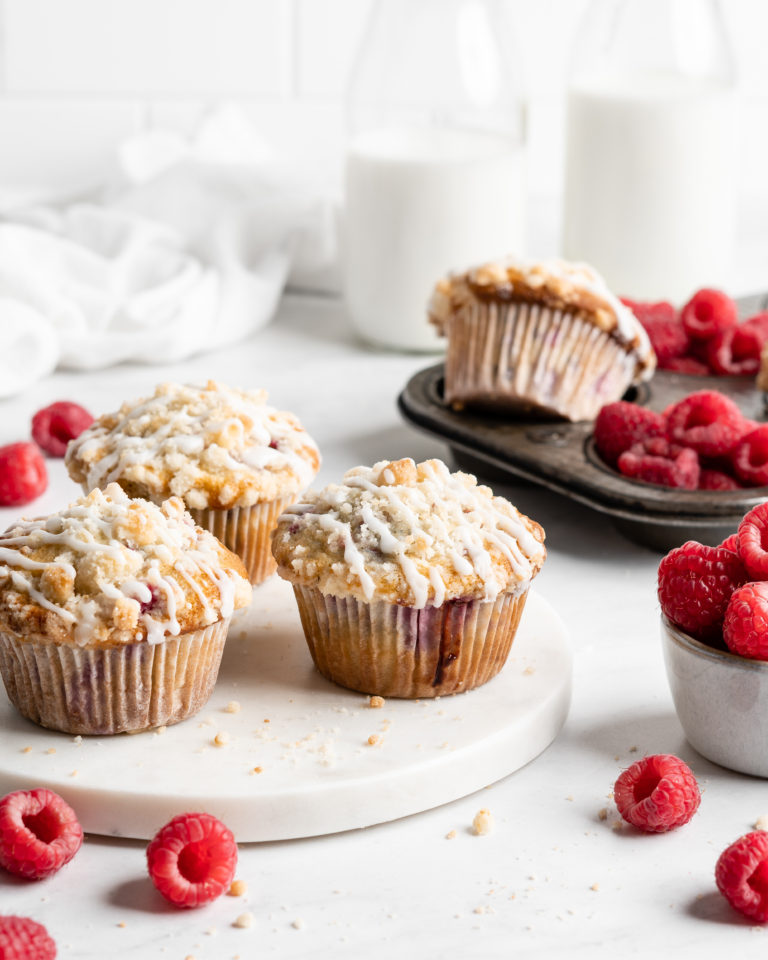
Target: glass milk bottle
x: 435, y: 175
x: 650, y: 178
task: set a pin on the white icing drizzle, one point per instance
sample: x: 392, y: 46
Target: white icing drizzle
x: 122, y: 573
x: 231, y: 430
x: 433, y: 514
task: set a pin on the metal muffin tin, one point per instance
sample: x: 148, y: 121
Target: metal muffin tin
x: 561, y: 456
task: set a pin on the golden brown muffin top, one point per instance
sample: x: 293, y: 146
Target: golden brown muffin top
x: 556, y: 284
x: 213, y: 446
x: 109, y: 570
x: 408, y: 533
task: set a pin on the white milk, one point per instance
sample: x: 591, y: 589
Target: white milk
x: 649, y: 194
x: 421, y: 203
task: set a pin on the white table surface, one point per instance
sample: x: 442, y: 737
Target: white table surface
x: 553, y: 878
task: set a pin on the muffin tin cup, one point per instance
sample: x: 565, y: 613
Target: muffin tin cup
x: 106, y: 690
x: 521, y: 356
x: 247, y: 531
x: 392, y: 650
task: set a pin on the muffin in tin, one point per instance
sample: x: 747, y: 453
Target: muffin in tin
x: 114, y: 613
x: 410, y: 579
x: 547, y: 338
x: 235, y: 461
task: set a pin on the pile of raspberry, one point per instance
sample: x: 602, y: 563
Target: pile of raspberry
x: 719, y: 595
x: 702, y: 442
x: 705, y: 337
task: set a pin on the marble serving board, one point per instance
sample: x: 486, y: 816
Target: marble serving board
x: 279, y: 752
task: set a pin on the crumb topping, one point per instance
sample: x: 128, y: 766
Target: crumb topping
x: 557, y: 284
x: 408, y: 533
x: 110, y: 570
x: 213, y: 446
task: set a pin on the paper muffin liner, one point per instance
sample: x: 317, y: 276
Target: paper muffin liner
x: 528, y: 357
x: 247, y: 532
x: 104, y: 690
x: 397, y: 651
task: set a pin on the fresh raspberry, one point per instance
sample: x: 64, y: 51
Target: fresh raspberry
x: 759, y: 322
x: 741, y: 875
x: 688, y: 365
x: 657, y: 793
x: 39, y: 833
x: 620, y: 425
x: 731, y: 543
x: 717, y: 480
x: 707, y: 421
x: 745, y: 628
x: 707, y: 313
x: 23, y: 939
x: 750, y: 458
x: 736, y: 350
x: 695, y: 585
x: 55, y: 425
x: 753, y: 541
x: 192, y: 859
x: 651, y: 311
x: 23, y: 476
x: 658, y: 461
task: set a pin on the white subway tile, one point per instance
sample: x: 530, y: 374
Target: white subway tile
x: 307, y: 136
x: 66, y: 144
x: 149, y: 46
x: 328, y: 33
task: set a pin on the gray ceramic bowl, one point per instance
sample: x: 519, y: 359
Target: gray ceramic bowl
x: 721, y: 700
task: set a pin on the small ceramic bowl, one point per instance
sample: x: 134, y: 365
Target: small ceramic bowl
x: 721, y: 701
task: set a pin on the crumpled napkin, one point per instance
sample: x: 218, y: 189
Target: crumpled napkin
x: 189, y: 252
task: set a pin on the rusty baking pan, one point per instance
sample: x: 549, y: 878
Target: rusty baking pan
x: 561, y: 456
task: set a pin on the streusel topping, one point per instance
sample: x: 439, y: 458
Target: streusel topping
x: 408, y: 533
x: 213, y: 446
x: 109, y: 570
x: 557, y: 284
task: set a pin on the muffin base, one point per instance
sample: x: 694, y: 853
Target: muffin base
x: 105, y: 690
x: 520, y: 356
x: 391, y: 650
x: 246, y: 531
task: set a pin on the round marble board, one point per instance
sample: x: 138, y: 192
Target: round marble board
x: 297, y: 760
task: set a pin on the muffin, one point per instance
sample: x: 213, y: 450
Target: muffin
x: 410, y: 580
x: 547, y: 338
x: 114, y: 613
x: 234, y: 461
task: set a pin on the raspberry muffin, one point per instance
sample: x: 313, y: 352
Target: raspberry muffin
x: 114, y: 613
x: 547, y: 337
x: 234, y: 461
x: 410, y: 580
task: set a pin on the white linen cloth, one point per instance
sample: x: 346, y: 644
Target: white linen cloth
x: 189, y: 253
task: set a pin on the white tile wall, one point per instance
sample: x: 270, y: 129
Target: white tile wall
x: 77, y: 75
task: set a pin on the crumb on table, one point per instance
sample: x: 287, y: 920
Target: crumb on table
x: 482, y: 824
x: 238, y: 888
x: 376, y: 703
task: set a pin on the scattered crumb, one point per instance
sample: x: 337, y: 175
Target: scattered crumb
x: 221, y: 739
x: 374, y: 740
x: 376, y: 703
x: 266, y: 720
x: 633, y: 749
x: 602, y: 813
x: 617, y: 825
x: 238, y: 888
x: 73, y: 773
x: 232, y: 707
x: 480, y: 909
x: 595, y: 887
x: 569, y: 797
x: 529, y: 671
x: 51, y: 750
x: 762, y: 822
x: 122, y: 924
x: 244, y: 921
x: 26, y: 750
x: 298, y: 924
x: 210, y: 932
x: 617, y: 758
x: 256, y: 770
x: 189, y: 956
x: 450, y: 835
x: 78, y: 740
x: 482, y: 823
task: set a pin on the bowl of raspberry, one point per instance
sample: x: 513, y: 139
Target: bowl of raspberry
x: 714, y: 603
